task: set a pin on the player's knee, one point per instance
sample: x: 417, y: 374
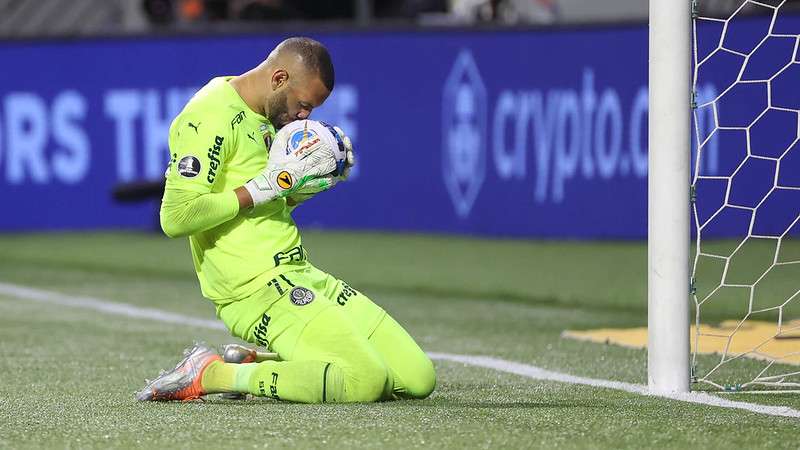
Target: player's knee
x: 366, y: 382
x: 421, y: 379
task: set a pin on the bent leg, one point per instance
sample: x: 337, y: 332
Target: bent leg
x: 410, y: 369
x: 324, y: 356
x: 330, y: 362
x: 411, y: 372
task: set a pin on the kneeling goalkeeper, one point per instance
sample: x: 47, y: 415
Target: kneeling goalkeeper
x: 334, y: 343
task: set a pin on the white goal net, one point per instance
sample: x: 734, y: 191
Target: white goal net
x: 746, y: 197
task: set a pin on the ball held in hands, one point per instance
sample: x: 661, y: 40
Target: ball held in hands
x: 306, y: 157
x: 309, y: 139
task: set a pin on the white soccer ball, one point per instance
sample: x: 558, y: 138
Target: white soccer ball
x: 297, y: 139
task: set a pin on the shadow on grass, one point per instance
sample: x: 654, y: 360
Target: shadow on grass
x: 486, y: 404
x: 398, y: 404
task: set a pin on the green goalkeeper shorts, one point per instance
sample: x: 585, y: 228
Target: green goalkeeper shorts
x: 307, y: 314
x: 305, y: 292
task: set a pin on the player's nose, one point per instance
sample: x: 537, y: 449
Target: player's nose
x: 303, y: 114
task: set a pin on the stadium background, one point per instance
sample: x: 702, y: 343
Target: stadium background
x: 507, y: 131
x: 488, y: 132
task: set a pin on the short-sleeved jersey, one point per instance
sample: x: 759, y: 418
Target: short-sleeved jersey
x: 217, y: 143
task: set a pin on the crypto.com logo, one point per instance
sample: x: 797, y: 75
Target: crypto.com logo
x: 464, y: 123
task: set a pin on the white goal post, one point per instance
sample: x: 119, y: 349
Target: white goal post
x: 668, y: 196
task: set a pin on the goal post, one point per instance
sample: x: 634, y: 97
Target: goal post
x: 668, y: 195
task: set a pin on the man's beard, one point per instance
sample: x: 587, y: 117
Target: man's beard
x: 278, y: 110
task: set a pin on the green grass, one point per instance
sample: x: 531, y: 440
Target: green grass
x: 67, y: 375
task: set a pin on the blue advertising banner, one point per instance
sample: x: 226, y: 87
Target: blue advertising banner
x: 527, y: 134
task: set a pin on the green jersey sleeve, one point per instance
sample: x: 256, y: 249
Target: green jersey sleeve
x: 184, y: 213
x: 199, y: 147
x: 192, y: 202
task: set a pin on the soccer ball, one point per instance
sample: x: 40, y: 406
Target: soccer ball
x: 298, y: 138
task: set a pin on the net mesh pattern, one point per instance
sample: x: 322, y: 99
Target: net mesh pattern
x: 746, y: 198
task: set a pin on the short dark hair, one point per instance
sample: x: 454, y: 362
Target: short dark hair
x: 315, y: 57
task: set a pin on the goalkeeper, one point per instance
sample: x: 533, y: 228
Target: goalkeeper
x: 234, y: 202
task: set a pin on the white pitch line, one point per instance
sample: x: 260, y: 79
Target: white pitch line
x: 547, y: 375
x: 119, y: 309
x: 502, y: 365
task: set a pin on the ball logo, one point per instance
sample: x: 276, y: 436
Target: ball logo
x: 464, y: 123
x: 285, y: 180
x: 301, y: 140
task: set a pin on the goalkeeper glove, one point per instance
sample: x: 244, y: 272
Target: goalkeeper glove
x: 350, y: 156
x: 326, y: 182
x: 301, y: 155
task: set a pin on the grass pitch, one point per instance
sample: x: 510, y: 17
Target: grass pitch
x: 67, y: 375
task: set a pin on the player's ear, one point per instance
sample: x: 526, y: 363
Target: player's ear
x: 279, y: 78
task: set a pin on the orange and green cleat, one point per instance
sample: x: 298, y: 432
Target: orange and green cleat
x: 184, y: 381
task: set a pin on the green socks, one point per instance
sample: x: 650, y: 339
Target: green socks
x: 296, y: 381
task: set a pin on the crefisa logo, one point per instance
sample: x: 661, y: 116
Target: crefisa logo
x: 464, y: 133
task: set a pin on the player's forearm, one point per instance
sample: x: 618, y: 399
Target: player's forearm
x: 245, y: 200
x: 185, y: 212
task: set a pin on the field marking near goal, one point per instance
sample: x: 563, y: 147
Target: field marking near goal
x: 488, y: 362
x: 537, y: 373
x: 772, y: 344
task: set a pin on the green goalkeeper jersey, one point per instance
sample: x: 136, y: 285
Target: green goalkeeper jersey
x: 217, y: 143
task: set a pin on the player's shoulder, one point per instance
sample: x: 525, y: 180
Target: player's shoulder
x: 209, y: 111
x: 211, y: 105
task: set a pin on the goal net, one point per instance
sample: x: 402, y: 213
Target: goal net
x: 746, y: 196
